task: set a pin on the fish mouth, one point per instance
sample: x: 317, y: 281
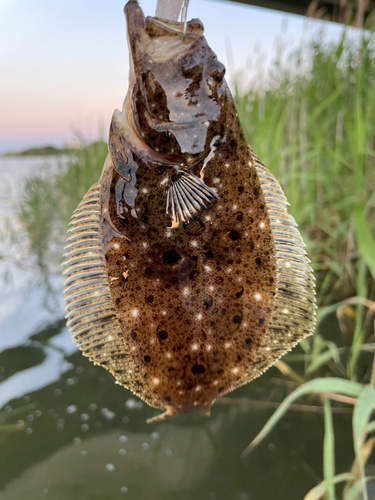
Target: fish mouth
x: 136, y: 20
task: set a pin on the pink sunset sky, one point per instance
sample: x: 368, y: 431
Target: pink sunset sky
x: 64, y: 64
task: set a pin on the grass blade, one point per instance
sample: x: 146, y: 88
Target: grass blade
x: 365, y: 241
x: 346, y: 387
x: 361, y: 416
x: 329, y: 451
x: 320, y: 490
x: 354, y: 492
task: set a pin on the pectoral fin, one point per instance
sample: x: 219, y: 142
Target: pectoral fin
x: 187, y: 196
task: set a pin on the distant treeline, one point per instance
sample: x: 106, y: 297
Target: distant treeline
x: 51, y: 150
x: 43, y: 151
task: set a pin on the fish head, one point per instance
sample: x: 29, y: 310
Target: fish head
x: 177, y: 88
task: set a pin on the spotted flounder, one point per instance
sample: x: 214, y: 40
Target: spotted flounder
x: 185, y: 275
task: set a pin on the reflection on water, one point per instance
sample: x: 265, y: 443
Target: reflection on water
x: 86, y: 438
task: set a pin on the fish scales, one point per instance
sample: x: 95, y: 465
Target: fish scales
x: 186, y: 276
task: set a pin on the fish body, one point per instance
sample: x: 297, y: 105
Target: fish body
x: 186, y: 276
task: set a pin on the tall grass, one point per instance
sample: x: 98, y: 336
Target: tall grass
x: 315, y: 130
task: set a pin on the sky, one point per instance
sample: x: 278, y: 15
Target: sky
x: 64, y: 63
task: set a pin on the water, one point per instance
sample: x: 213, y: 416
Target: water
x: 87, y: 438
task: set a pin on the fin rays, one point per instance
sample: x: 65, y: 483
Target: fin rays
x: 187, y: 196
x: 293, y: 315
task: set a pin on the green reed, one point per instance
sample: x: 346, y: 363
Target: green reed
x: 315, y: 130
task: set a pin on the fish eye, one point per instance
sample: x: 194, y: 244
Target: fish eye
x: 217, y: 71
x: 190, y: 66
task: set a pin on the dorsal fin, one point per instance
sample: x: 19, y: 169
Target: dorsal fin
x: 293, y: 314
x: 90, y: 314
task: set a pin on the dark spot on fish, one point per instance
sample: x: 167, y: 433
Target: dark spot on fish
x: 150, y: 299
x: 239, y: 357
x: 209, y: 255
x: 144, y: 219
x: 261, y: 321
x: 171, y: 257
x: 133, y: 335
x: 152, y: 233
x: 198, y: 369
x: 171, y: 369
x: 234, y: 235
x: 208, y: 302
x: 256, y: 192
x: 258, y: 261
x: 118, y: 301
x: 147, y: 358
x: 221, y: 389
x: 240, y: 189
x: 162, y: 335
x: 233, y: 143
x: 237, y: 320
x: 271, y: 280
x: 248, y: 341
x: 240, y: 217
x: 239, y: 293
x: 148, y: 271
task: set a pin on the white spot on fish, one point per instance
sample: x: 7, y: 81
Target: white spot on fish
x: 227, y: 165
x: 198, y: 388
x: 116, y: 246
x: 208, y: 347
x: 257, y: 296
x: 155, y: 381
x: 262, y: 225
x: 194, y: 243
x: 235, y: 370
x: 195, y: 347
x: 164, y: 181
x: 135, y: 313
x: 144, y: 190
x: 227, y: 345
x: 285, y: 311
x: 199, y: 316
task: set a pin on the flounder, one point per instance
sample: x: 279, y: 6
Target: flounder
x: 185, y: 275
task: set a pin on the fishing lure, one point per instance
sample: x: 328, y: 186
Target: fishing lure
x: 185, y: 275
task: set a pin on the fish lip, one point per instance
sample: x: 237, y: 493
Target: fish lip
x: 135, y: 18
